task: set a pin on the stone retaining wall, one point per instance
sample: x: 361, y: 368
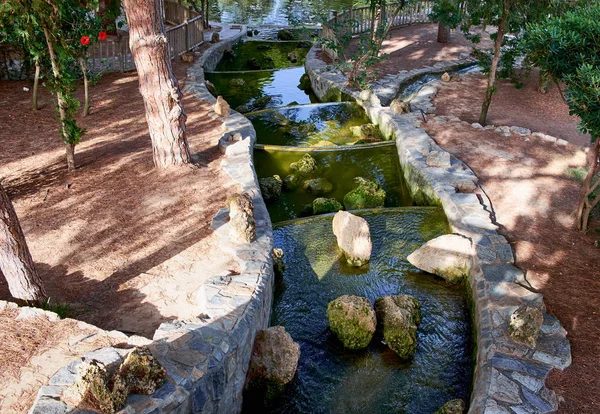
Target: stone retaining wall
x: 509, y: 377
x: 207, y: 357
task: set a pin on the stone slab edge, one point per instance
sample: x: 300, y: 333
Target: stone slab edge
x: 508, y: 377
x: 207, y: 357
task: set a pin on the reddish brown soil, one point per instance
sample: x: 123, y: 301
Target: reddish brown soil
x: 416, y: 46
x: 524, y: 107
x: 533, y: 197
x: 96, y: 234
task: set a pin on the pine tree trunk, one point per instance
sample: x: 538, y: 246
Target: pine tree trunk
x: 158, y: 85
x: 70, y: 148
x: 491, y: 86
x: 36, y: 82
x: 15, y: 260
x: 443, y: 33
x: 584, y: 208
x: 86, y: 83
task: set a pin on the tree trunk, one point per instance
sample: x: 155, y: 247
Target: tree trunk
x: 36, y: 82
x: 70, y: 148
x: 491, y: 86
x: 584, y: 207
x: 15, y: 260
x: 443, y: 33
x: 86, y: 83
x: 158, y: 86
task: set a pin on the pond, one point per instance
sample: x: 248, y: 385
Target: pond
x: 373, y: 380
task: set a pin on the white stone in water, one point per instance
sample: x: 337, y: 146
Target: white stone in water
x: 222, y: 108
x: 353, y: 237
x: 447, y: 256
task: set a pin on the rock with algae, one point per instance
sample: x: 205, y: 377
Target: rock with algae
x: 367, y: 194
x: 457, y: 406
x: 99, y: 388
x: 366, y: 130
x: 278, y: 263
x: 270, y: 187
x: 323, y: 205
x: 305, y: 165
x: 399, y: 317
x: 291, y: 182
x: 317, y: 186
x: 447, y: 256
x: 352, y: 319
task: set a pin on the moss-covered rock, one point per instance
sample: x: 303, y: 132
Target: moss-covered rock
x: 278, y: 263
x: 264, y: 46
x: 279, y: 119
x: 317, y: 186
x: 367, y: 194
x: 457, y: 406
x: 253, y: 64
x: 262, y: 102
x: 305, y: 84
x: 305, y: 165
x: 285, y: 34
x: 243, y: 109
x: 270, y: 187
x: 292, y: 57
x: 366, y: 130
x: 291, y: 182
x: 323, y: 205
x: 304, y: 44
x: 399, y: 316
x: 237, y: 82
x: 352, y: 319
x: 302, y: 130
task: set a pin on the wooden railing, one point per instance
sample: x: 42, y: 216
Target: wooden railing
x: 114, y: 54
x: 359, y: 19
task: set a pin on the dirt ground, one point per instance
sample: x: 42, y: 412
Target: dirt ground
x: 104, y: 237
x: 524, y: 107
x: 534, y: 196
x: 416, y: 46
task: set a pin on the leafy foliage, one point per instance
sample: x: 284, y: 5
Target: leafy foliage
x: 448, y: 12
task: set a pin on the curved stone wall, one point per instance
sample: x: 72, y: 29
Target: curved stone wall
x: 509, y: 377
x: 206, y: 358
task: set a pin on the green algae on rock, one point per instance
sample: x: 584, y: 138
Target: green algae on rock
x: 270, y: 187
x: 399, y: 317
x: 323, y: 205
x: 367, y: 194
x: 305, y: 165
x: 352, y: 320
x: 317, y: 186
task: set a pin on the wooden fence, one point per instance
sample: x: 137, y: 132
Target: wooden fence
x: 114, y: 54
x: 358, y: 20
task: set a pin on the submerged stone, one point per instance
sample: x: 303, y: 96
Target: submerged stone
x: 285, y: 34
x: 292, y: 57
x: 291, y: 182
x: 447, y: 256
x: 525, y: 325
x: 367, y: 194
x: 273, y: 362
x: 317, y: 186
x: 304, y: 44
x: 353, y: 238
x: 280, y: 119
x: 457, y: 406
x: 264, y: 46
x: 324, y: 143
x: 262, y: 102
x: 302, y: 130
x: 399, y: 317
x: 270, y: 187
x: 253, y: 64
x: 352, y: 319
x: 305, y: 84
x: 366, y: 130
x: 237, y: 82
x: 323, y: 205
x: 304, y: 166
x: 243, y: 109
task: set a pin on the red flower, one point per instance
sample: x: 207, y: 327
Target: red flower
x: 102, y: 35
x: 84, y: 40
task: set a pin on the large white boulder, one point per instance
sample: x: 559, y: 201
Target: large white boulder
x: 353, y: 237
x: 448, y: 257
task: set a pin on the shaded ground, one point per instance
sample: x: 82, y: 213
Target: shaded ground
x: 416, y: 46
x: 126, y: 245
x: 533, y: 196
x: 524, y: 107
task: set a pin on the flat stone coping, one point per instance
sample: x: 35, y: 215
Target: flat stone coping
x: 509, y: 377
x: 207, y: 357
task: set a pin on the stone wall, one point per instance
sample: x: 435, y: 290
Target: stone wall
x: 207, y: 357
x: 509, y: 377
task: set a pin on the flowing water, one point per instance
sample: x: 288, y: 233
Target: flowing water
x: 373, y: 380
x: 330, y: 378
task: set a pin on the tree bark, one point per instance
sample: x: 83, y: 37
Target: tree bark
x: 36, y: 82
x: 443, y: 33
x: 86, y: 83
x: 584, y: 207
x: 491, y: 86
x: 69, y: 148
x: 158, y: 86
x: 15, y: 260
